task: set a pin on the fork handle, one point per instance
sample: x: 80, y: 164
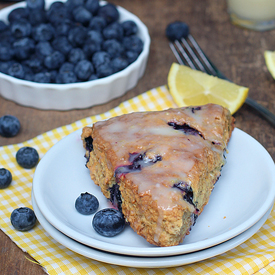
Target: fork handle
x: 261, y: 110
x: 270, y: 117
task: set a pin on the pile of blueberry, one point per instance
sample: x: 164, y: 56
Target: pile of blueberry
x: 72, y: 41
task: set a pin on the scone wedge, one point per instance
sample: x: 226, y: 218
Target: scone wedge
x: 159, y: 168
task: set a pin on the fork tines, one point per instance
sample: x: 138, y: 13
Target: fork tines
x: 188, y: 52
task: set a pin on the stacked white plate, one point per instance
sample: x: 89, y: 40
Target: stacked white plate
x: 238, y: 207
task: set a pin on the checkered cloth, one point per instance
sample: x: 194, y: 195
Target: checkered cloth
x: 255, y: 256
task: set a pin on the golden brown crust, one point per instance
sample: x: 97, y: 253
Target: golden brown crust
x: 165, y: 164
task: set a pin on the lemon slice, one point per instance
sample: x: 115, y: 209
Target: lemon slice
x: 190, y: 88
x: 270, y: 62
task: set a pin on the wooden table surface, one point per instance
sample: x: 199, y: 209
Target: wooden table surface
x: 237, y: 52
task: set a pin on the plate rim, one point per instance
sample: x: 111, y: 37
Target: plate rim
x: 149, y: 262
x: 153, y: 251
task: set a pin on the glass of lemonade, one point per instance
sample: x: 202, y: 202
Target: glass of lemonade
x: 252, y: 14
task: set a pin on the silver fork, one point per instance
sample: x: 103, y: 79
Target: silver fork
x: 188, y: 52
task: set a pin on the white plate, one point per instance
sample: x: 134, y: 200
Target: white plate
x: 145, y: 262
x: 241, y: 197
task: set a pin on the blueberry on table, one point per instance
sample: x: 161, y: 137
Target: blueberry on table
x: 5, y: 178
x: 23, y: 218
x: 27, y: 157
x: 108, y: 222
x: 177, y: 30
x: 86, y: 204
x: 9, y: 126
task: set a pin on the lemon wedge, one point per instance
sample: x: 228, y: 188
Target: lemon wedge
x: 189, y: 87
x: 270, y: 62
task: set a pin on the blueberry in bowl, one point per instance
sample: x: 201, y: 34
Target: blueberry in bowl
x: 106, y: 46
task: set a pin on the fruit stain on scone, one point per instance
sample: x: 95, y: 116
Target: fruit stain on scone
x: 160, y: 167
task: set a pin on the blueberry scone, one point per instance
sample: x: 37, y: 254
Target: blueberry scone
x: 160, y: 167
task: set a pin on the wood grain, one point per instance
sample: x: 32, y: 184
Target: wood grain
x: 237, y: 52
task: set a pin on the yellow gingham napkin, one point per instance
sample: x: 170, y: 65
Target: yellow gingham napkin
x: 255, y: 256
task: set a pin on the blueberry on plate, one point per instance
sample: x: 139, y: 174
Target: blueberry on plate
x: 9, y: 126
x: 86, y: 204
x: 177, y: 30
x: 23, y: 218
x: 5, y: 178
x: 27, y: 157
x: 108, y: 222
